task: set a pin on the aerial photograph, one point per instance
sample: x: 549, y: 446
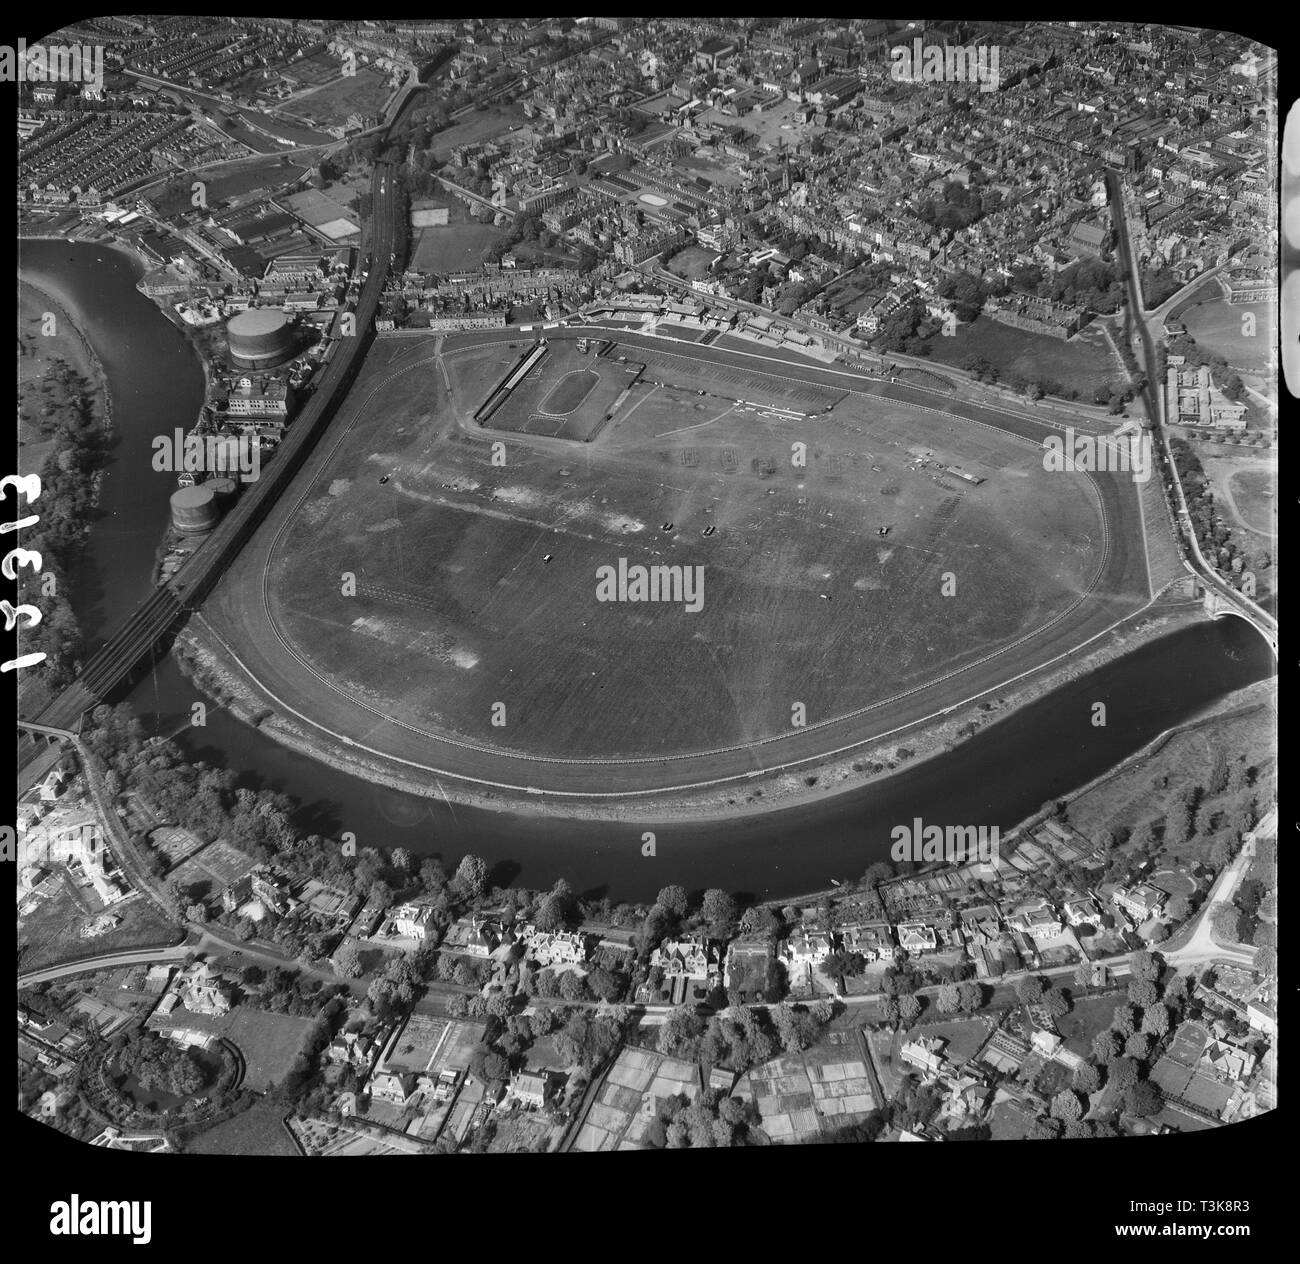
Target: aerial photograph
x: 644, y: 583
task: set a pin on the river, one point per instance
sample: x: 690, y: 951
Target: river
x: 997, y: 778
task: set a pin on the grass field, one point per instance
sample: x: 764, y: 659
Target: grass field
x: 457, y: 609
x: 568, y: 395
x: 1245, y: 486
x: 1089, y: 1015
x: 452, y: 247
x: 258, y: 1130
x: 1218, y: 326
x: 363, y: 93
x: 268, y: 1041
x: 51, y: 933
x: 269, y: 175
x: 692, y: 263
x: 484, y: 125
x: 1145, y: 791
x: 1084, y: 363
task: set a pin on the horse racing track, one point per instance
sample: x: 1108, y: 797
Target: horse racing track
x: 850, y: 549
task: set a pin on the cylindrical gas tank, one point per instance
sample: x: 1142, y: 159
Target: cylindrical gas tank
x: 194, y: 509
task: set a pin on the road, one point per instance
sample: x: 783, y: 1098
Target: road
x: 1153, y: 394
x: 1201, y: 945
x: 108, y: 961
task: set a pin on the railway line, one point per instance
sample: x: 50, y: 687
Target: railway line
x: 147, y: 628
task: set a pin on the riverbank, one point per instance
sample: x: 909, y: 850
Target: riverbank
x: 141, y: 266
x: 213, y: 668
x: 1255, y: 703
x: 65, y: 410
x: 69, y: 344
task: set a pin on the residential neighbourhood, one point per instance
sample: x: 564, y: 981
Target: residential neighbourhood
x: 1018, y: 1003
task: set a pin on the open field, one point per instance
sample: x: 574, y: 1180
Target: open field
x: 1218, y: 326
x: 269, y: 175
x: 1084, y: 363
x: 1145, y: 789
x: 1246, y: 487
x: 477, y: 126
x: 567, y: 395
x: 51, y: 933
x: 692, y: 263
x: 363, y: 93
x: 1088, y: 1016
x: 804, y: 601
x: 452, y: 247
x: 258, y: 1130
x: 268, y: 1041
x: 317, y: 208
x: 962, y: 1038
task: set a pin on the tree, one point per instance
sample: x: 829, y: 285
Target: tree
x: 878, y: 871
x: 1030, y: 989
x: 948, y: 999
x: 674, y: 900
x: 720, y: 911
x: 1266, y: 960
x: 1178, y: 823
x: 1122, y: 1072
x: 1155, y: 1021
x: 1144, y: 965
x: 573, y: 987
x: 557, y: 908
x: 1105, y: 1047
x: 1138, y: 1046
x: 347, y: 961
x: 1056, y: 1003
x: 1065, y: 1105
x: 1143, y: 1098
x: 1143, y: 992
x: 402, y: 860
x: 680, y: 1034
x: 471, y: 876
x: 1087, y: 1079
x: 1227, y: 923
x: 1218, y: 774
x: 909, y: 1009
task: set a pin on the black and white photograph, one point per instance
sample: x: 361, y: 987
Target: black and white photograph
x: 615, y: 585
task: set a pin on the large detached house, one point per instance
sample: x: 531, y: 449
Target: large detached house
x: 1141, y: 902
x: 692, y: 958
x: 917, y: 937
